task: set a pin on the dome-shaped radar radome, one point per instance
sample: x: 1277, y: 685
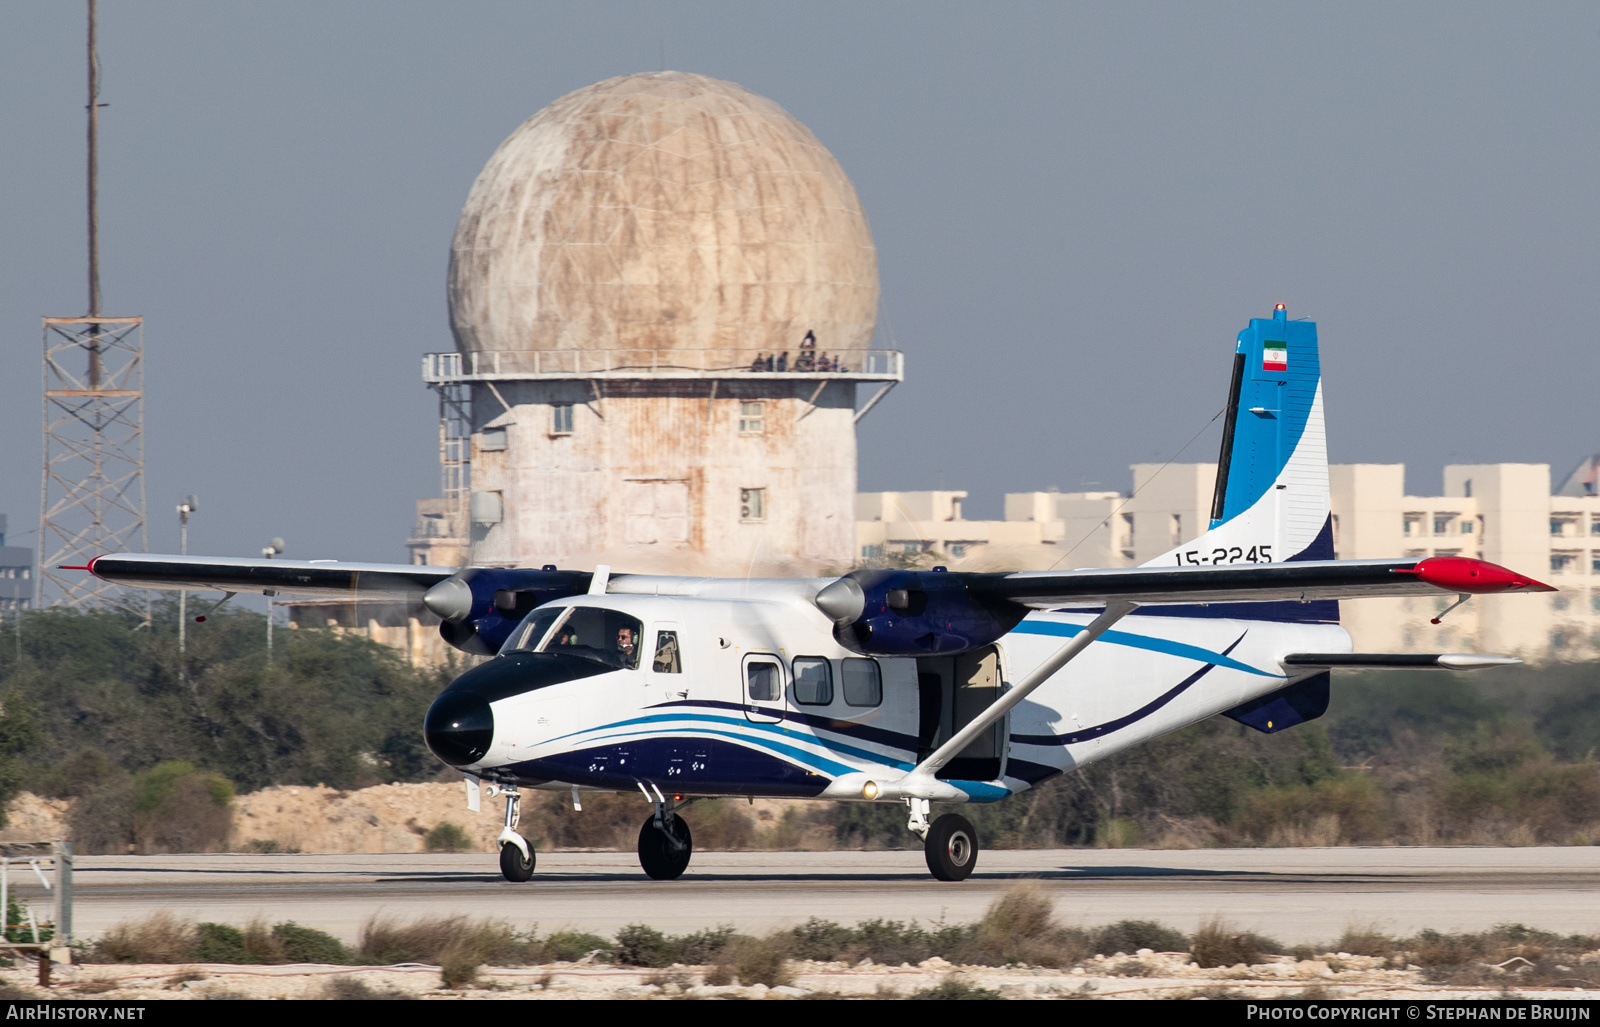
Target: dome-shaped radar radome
x: 661, y: 220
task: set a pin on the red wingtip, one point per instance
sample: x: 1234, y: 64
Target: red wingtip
x: 1475, y: 577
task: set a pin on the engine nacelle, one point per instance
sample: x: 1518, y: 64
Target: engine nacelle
x: 481, y: 605
x: 913, y: 613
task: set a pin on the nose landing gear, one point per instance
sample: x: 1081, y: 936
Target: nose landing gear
x: 517, y: 858
x: 665, y: 843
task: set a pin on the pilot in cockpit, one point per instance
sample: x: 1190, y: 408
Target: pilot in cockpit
x: 627, y: 646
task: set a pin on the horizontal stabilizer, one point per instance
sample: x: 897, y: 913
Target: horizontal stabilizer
x: 1399, y: 661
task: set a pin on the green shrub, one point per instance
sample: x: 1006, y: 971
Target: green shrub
x: 1132, y: 935
x: 177, y: 808
x: 161, y: 937
x: 220, y: 943
x: 955, y: 987
x: 446, y: 837
x: 571, y: 946
x: 642, y: 945
x: 308, y: 945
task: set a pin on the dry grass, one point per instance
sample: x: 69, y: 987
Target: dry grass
x: 162, y: 937
x: 1219, y: 943
x: 354, y: 989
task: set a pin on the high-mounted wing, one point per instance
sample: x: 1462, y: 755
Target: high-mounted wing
x: 296, y: 577
x: 1301, y: 581
x: 918, y: 613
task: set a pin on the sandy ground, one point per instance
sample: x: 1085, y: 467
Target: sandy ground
x: 383, y: 818
x: 1170, y: 975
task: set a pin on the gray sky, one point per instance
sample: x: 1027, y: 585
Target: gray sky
x: 1076, y: 208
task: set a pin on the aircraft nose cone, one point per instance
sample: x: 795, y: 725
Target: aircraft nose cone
x: 459, y: 728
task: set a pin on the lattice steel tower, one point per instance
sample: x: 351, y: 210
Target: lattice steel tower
x: 92, y: 496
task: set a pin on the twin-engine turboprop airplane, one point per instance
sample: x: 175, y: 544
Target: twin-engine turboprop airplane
x: 897, y: 685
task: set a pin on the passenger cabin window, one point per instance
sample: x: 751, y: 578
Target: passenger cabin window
x: 813, y: 681
x: 666, y: 659
x: 863, y: 684
x: 607, y: 636
x: 763, y: 683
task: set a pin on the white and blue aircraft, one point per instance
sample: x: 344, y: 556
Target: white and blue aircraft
x: 900, y: 686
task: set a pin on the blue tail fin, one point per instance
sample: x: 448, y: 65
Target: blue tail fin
x: 1271, y: 503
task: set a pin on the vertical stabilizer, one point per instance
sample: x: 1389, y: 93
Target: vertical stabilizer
x: 1271, y: 502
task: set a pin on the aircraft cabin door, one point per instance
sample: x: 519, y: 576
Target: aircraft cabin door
x: 763, y: 688
x: 952, y: 691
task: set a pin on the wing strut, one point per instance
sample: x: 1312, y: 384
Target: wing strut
x: 921, y: 783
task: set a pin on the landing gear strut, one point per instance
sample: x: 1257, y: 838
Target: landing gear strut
x: 665, y: 843
x: 516, y: 855
x: 950, y: 844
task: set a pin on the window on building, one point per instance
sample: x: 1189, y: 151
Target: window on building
x: 1413, y: 524
x: 863, y: 683
x: 1560, y: 602
x: 1594, y: 525
x: 1442, y: 523
x: 957, y: 549
x: 1594, y: 600
x: 561, y: 419
x: 813, y: 681
x: 1560, y: 526
x: 752, y: 504
x: 1594, y: 562
x: 493, y: 440
x: 752, y: 417
x: 871, y: 552
x: 1467, y: 527
x: 1562, y: 563
x: 1177, y: 528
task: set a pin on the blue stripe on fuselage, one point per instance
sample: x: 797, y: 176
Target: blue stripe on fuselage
x: 1157, y: 645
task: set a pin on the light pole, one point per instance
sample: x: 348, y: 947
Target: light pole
x: 273, y: 548
x: 189, y: 505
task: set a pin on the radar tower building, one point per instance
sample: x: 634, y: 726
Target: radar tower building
x: 663, y: 291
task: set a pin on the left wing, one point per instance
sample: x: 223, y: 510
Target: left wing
x: 297, y: 577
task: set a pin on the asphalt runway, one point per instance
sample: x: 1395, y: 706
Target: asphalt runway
x: 1293, y: 895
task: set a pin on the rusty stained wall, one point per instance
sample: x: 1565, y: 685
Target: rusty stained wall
x: 650, y: 477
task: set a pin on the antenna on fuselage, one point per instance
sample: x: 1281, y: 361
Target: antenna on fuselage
x: 602, y: 576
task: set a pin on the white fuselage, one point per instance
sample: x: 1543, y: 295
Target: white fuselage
x: 808, y: 722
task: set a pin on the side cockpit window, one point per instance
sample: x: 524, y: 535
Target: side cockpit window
x: 667, y: 660
x: 608, y: 636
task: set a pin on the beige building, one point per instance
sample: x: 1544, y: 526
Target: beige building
x: 663, y: 291
x: 1503, y: 513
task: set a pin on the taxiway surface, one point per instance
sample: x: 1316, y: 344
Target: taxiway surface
x: 1294, y: 895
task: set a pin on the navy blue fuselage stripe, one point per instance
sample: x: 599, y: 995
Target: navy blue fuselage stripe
x: 878, y: 735
x: 1121, y: 722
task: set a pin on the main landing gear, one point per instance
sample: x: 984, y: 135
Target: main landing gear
x: 517, y: 858
x: 665, y: 843
x: 950, y: 843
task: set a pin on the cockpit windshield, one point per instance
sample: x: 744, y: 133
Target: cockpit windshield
x: 607, y: 636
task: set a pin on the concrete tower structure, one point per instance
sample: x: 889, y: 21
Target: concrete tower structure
x: 633, y: 281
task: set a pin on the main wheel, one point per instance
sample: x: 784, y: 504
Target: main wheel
x: 664, y: 855
x: 951, y: 848
x: 514, y: 865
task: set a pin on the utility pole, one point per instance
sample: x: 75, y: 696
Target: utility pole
x: 189, y: 505
x: 273, y: 548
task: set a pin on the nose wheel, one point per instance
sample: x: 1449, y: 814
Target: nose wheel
x: 517, y: 858
x: 515, y: 865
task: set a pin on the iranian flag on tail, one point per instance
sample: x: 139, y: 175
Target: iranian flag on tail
x: 1274, y: 355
